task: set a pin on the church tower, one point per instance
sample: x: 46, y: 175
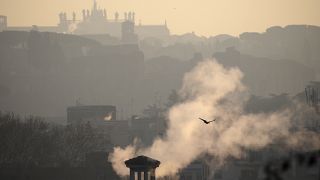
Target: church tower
x: 3, y: 23
x: 127, y: 32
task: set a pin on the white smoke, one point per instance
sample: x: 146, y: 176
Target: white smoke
x: 212, y: 91
x: 108, y: 117
x: 72, y: 27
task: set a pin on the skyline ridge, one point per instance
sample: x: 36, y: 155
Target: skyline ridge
x: 207, y: 18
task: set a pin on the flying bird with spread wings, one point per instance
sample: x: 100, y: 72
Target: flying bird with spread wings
x: 205, y: 121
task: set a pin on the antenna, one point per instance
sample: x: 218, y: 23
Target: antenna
x: 312, y: 93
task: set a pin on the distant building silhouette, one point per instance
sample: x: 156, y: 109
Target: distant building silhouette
x: 3, y: 23
x: 127, y: 32
x: 158, y: 31
x: 92, y: 114
x: 98, y: 23
x: 95, y: 21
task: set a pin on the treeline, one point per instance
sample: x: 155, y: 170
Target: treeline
x: 31, y: 142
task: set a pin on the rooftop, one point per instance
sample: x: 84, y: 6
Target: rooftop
x: 142, y: 161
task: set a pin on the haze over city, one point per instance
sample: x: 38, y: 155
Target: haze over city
x: 204, y: 17
x: 167, y: 90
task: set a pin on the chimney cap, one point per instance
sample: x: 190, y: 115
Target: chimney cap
x: 142, y: 162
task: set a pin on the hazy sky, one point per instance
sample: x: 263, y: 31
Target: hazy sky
x: 204, y: 17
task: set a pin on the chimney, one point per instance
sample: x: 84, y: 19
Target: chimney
x: 142, y: 165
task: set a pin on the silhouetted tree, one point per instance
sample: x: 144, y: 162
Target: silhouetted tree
x: 77, y: 141
x: 33, y: 142
x: 24, y: 143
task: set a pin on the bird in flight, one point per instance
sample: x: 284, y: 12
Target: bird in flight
x: 205, y: 121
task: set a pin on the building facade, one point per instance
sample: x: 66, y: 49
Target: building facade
x: 97, y: 21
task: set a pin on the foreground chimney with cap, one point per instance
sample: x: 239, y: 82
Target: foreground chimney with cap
x: 142, y: 165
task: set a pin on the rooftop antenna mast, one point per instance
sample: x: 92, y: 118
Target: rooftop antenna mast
x: 312, y: 93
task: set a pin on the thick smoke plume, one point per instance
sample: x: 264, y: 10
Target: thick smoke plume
x: 212, y: 91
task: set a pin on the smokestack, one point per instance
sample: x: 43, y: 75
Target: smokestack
x: 142, y: 165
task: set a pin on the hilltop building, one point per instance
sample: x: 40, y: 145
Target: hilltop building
x: 97, y: 21
x: 128, y: 34
x: 3, y: 22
